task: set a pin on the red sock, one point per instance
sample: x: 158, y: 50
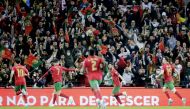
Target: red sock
x: 118, y: 94
x: 18, y: 92
x: 25, y: 98
x: 97, y: 94
x: 167, y: 94
x: 118, y: 99
x: 178, y: 95
x: 54, y: 98
x: 63, y: 95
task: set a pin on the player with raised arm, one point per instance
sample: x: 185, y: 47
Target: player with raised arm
x: 92, y: 66
x: 116, y: 82
x: 19, y: 72
x: 56, y: 70
x: 167, y: 71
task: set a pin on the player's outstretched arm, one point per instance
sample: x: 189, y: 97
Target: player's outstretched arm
x: 26, y: 73
x: 44, y: 75
x: 69, y: 69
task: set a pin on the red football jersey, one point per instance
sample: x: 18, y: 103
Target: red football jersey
x: 92, y: 65
x: 19, y: 73
x: 115, y: 77
x: 168, y: 69
x: 57, y: 71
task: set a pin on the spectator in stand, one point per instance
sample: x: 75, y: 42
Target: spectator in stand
x: 187, y: 75
x: 128, y: 76
x: 178, y: 69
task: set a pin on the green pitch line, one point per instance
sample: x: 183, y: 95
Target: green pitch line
x: 159, y: 107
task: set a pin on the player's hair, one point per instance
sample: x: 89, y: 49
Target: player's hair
x: 167, y: 59
x: 111, y: 63
x: 91, y: 52
x: 17, y: 60
x: 55, y: 60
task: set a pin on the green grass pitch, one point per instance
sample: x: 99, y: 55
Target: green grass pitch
x: 159, y: 107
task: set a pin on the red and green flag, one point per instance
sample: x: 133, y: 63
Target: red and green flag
x: 5, y: 53
x: 108, y: 21
x: 88, y: 10
x: 32, y: 61
x: 70, y: 14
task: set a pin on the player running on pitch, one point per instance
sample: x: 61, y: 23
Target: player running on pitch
x: 92, y: 66
x: 19, y: 72
x: 56, y: 70
x: 167, y: 71
x: 116, y: 82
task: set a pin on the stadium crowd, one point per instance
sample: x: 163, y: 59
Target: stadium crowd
x: 134, y: 35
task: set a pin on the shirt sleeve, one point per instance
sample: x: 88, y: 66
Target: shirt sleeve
x: 67, y: 69
x: 26, y: 70
x: 46, y: 73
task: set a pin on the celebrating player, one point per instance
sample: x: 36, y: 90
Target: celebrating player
x: 92, y: 66
x: 167, y: 70
x: 117, y: 84
x: 56, y: 72
x: 19, y: 73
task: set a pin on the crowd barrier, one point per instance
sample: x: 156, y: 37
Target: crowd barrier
x: 84, y: 97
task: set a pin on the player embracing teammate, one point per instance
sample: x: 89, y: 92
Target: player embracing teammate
x: 167, y: 71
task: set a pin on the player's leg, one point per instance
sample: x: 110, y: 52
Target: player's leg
x: 57, y: 90
x: 170, y: 101
x: 18, y: 90
x: 23, y: 89
x: 103, y: 103
x: 94, y: 84
x: 173, y: 89
x: 116, y: 93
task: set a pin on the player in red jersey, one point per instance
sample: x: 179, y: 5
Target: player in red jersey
x: 116, y: 82
x: 167, y: 72
x: 56, y: 70
x: 92, y: 66
x: 19, y: 72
